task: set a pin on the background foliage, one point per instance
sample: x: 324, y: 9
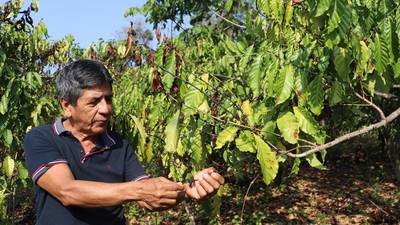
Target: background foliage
x: 249, y: 87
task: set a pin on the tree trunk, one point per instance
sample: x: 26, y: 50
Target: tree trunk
x: 394, y: 155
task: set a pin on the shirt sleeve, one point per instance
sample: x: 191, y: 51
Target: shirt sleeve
x: 133, y: 170
x: 40, y: 153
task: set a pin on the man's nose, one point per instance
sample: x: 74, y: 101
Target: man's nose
x: 105, y: 107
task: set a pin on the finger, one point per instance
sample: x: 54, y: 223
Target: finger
x: 170, y: 185
x: 206, y: 186
x: 145, y: 205
x: 218, y: 177
x: 208, y: 170
x: 213, y: 182
x: 200, y: 190
x: 167, y: 202
x: 170, y: 194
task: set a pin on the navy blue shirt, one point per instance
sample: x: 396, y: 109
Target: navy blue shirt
x: 112, y: 160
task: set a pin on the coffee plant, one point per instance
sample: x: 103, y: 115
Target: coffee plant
x: 253, y: 88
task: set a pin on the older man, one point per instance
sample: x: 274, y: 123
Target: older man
x: 83, y: 173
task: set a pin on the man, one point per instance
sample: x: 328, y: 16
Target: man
x: 83, y: 173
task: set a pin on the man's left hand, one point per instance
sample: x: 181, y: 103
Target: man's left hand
x: 205, y: 184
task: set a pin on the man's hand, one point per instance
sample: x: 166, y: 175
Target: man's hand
x: 159, y: 193
x: 205, y: 184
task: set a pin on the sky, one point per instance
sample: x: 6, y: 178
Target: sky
x: 86, y: 20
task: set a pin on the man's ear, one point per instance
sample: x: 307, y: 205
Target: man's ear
x: 66, y: 106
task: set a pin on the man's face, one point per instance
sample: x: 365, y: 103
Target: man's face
x: 93, y: 110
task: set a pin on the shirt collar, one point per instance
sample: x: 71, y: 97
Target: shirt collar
x: 105, y: 137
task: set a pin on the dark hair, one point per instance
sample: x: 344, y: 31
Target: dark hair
x: 78, y: 75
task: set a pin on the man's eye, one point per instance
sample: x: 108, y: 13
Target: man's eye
x: 109, y: 99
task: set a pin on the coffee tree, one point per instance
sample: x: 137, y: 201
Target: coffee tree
x: 27, y: 60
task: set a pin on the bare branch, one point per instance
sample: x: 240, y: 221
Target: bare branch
x: 229, y: 21
x: 396, y: 86
x: 385, y: 95
x: 373, y: 105
x: 348, y: 136
x: 189, y: 212
x: 245, y: 196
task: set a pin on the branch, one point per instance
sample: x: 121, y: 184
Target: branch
x: 231, y: 22
x: 189, y: 212
x: 245, y: 196
x: 383, y: 117
x: 348, y: 136
x: 396, y: 86
x: 385, y: 95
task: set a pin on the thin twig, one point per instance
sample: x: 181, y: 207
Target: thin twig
x: 381, y: 114
x: 385, y: 95
x: 189, y: 212
x: 244, y: 199
x: 377, y: 206
x: 348, y: 136
x: 229, y: 21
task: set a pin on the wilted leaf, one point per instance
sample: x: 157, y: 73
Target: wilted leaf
x: 267, y: 159
x: 226, y: 136
x: 289, y: 127
x: 245, y: 142
x: 172, y: 133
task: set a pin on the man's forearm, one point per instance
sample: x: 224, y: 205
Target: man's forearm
x: 98, y: 194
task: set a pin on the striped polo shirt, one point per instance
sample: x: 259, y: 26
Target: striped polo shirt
x: 112, y: 160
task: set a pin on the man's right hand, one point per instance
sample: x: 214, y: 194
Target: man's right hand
x: 159, y: 193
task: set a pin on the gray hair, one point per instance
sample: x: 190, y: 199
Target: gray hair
x: 78, y: 75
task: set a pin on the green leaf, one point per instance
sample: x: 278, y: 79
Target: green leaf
x: 336, y: 93
x: 4, y: 104
x: 228, y: 5
x: 296, y: 167
x: 268, y: 130
x: 314, y: 162
x: 35, y: 5
x: 131, y: 11
x: 22, y: 171
x: 289, y: 127
x: 300, y: 86
x: 245, y: 59
x: 267, y: 159
x: 172, y: 133
x: 342, y: 61
x: 316, y: 98
x: 322, y: 7
x: 230, y: 45
x: 226, y: 136
x: 3, y: 57
x: 381, y: 53
x: 170, y: 65
x: 288, y: 13
x: 140, y: 127
x: 193, y: 98
x: 245, y: 142
x: 334, y: 21
x: 343, y: 9
x: 308, y: 124
x: 285, y: 84
x: 8, y: 137
x: 363, y: 58
x: 8, y: 166
x: 255, y: 76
